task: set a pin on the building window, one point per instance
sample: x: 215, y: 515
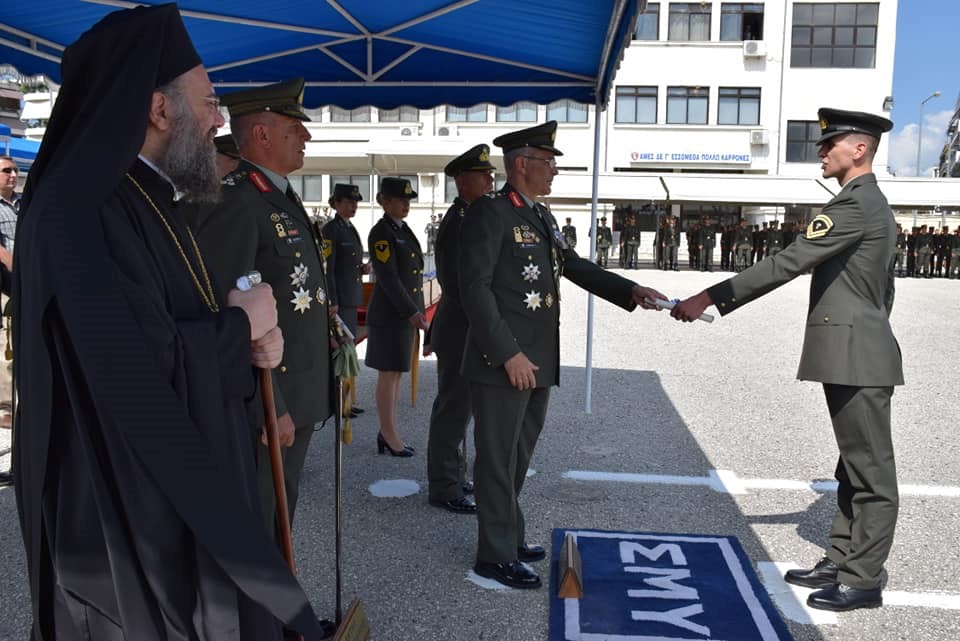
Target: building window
x: 567, y: 111
x: 648, y: 25
x: 689, y: 21
x: 400, y: 114
x: 838, y: 35
x: 687, y: 105
x: 637, y: 104
x: 738, y: 106
x: 362, y: 182
x: 519, y: 112
x: 309, y: 186
x: 802, y: 136
x: 476, y: 113
x: 741, y: 21
x: 360, y: 114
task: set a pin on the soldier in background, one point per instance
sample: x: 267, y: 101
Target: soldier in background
x: 693, y: 251
x: 789, y: 233
x: 743, y: 243
x: 912, y: 251
x: 570, y: 234
x: 431, y: 232
x: 901, y: 250
x: 604, y: 242
x: 671, y: 243
x: 954, y: 266
x: 631, y: 242
x: 726, y: 247
x: 774, y: 241
x: 756, y: 245
x: 941, y: 251
x: 706, y: 241
x: 924, y: 252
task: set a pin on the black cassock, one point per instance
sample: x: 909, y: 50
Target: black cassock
x: 134, y: 459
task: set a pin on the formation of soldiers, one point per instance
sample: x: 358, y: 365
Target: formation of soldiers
x: 926, y: 252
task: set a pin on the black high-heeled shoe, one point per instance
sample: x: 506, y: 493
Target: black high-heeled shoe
x: 382, y: 445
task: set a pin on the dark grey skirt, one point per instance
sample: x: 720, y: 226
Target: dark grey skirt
x: 389, y: 348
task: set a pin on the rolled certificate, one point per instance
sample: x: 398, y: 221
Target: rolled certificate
x: 669, y: 304
x: 343, y: 327
x: 248, y: 281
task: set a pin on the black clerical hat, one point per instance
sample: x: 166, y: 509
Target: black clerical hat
x: 396, y: 188
x: 227, y: 146
x: 541, y: 136
x: 834, y: 122
x: 475, y: 159
x: 351, y: 192
x: 283, y: 98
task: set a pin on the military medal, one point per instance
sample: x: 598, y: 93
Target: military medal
x: 299, y: 275
x: 531, y: 273
x: 301, y: 300
x: 321, y: 295
x: 532, y: 299
x: 548, y: 300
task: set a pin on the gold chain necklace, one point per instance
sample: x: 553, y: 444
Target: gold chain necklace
x: 206, y: 295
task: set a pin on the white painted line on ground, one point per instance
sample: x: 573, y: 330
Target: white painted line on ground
x: 791, y: 600
x: 727, y: 482
x: 938, y: 600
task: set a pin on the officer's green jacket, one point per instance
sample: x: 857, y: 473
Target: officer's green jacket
x: 448, y: 330
x: 258, y: 227
x: 744, y: 236
x: 398, y: 266
x: 511, y: 261
x: 344, y: 254
x: 851, y: 248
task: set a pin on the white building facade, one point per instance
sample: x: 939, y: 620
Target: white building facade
x: 713, y: 112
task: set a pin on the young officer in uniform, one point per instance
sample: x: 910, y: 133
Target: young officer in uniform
x: 395, y: 310
x: 849, y: 347
x: 260, y: 224
x: 344, y: 252
x: 446, y: 467
x: 604, y: 242
x: 510, y: 273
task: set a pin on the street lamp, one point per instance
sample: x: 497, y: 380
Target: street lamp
x: 935, y: 94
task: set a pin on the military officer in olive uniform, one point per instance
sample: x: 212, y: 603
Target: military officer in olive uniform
x: 849, y: 347
x: 671, y: 244
x: 511, y: 261
x: 706, y: 240
x: 901, y: 250
x: 570, y: 234
x: 395, y: 310
x: 631, y: 242
x: 446, y: 467
x: 604, y: 242
x: 774, y: 241
x: 260, y: 224
x: 431, y: 232
x: 924, y: 252
x: 743, y: 243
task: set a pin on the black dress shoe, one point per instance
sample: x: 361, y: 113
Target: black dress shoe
x: 356, y: 410
x: 531, y: 553
x: 467, y: 487
x: 6, y: 478
x: 513, y: 574
x: 841, y: 598
x: 327, y: 629
x: 460, y: 505
x: 822, y: 575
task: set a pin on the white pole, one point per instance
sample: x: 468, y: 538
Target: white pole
x: 593, y: 254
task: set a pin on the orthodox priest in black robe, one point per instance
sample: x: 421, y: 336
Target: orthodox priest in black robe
x: 134, y: 460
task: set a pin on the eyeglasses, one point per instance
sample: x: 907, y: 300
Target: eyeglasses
x: 551, y: 162
x: 9, y: 170
x: 213, y: 101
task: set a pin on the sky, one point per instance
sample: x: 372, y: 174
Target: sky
x: 926, y: 60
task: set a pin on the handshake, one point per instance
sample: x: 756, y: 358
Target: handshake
x: 687, y: 311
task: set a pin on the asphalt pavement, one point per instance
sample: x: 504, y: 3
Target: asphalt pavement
x: 668, y: 400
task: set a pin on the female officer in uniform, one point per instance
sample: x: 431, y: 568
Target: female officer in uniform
x: 395, y: 310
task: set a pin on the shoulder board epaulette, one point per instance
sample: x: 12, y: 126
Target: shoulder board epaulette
x: 260, y: 182
x: 233, y: 178
x: 516, y: 200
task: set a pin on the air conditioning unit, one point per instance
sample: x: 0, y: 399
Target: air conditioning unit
x: 443, y: 131
x: 754, y: 49
x: 406, y: 131
x: 759, y: 137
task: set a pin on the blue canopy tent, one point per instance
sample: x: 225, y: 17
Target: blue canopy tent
x: 352, y: 53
